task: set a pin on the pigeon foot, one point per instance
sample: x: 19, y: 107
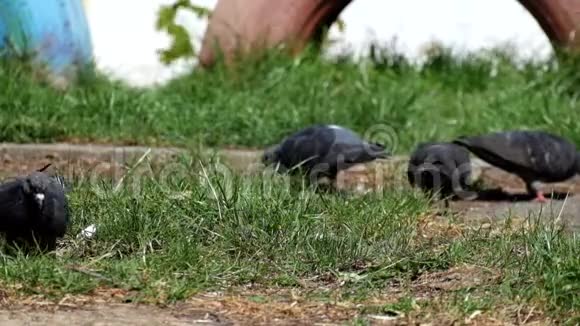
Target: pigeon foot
x: 540, y: 197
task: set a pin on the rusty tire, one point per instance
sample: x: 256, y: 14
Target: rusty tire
x: 239, y: 26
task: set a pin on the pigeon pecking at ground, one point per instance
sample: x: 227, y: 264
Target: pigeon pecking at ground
x: 443, y: 168
x: 34, y: 211
x: 322, y: 151
x: 535, y: 156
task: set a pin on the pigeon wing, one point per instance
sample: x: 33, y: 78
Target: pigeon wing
x: 502, y: 150
x: 306, y: 148
x: 530, y: 154
x: 13, y: 206
x: 356, y: 153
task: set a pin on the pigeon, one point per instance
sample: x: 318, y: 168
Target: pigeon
x: 534, y: 156
x: 34, y: 211
x: 439, y: 167
x: 322, y: 151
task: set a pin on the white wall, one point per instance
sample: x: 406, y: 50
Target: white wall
x: 125, y: 40
x: 464, y: 24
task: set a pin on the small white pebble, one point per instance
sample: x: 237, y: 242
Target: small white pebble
x: 88, y: 232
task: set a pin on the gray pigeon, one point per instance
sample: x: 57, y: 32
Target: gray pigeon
x: 535, y: 156
x: 34, y: 211
x: 322, y: 151
x: 442, y: 168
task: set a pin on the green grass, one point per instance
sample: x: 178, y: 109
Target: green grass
x: 262, y: 101
x: 167, y: 242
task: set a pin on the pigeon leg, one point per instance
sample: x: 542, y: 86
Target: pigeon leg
x: 540, y: 197
x: 534, y: 188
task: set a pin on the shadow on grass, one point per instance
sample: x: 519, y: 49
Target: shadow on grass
x: 499, y: 195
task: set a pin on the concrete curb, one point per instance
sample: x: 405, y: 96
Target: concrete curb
x: 237, y: 159
x: 75, y: 152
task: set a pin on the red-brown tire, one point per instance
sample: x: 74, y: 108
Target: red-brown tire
x: 238, y: 26
x: 560, y: 19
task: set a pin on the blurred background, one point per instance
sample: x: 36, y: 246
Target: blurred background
x: 126, y: 42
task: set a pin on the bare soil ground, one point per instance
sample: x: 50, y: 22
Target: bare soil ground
x: 284, y: 307
x: 272, y: 307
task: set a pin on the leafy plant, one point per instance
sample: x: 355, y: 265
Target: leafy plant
x: 181, y: 45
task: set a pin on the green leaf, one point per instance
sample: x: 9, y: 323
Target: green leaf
x: 181, y: 46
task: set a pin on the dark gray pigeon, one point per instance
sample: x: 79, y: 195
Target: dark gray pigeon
x: 442, y: 168
x: 34, y: 211
x: 535, y: 156
x: 322, y: 151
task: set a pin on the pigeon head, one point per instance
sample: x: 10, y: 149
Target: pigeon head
x: 271, y: 155
x: 36, y: 185
x: 379, y: 150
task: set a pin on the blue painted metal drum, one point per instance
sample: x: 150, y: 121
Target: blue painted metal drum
x: 54, y: 33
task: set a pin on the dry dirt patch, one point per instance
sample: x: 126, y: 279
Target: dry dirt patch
x: 280, y: 307
x: 456, y: 278
x: 105, y: 315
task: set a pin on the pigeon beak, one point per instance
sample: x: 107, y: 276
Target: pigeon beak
x: 39, y: 199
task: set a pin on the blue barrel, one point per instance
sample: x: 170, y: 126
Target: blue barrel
x: 54, y: 33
